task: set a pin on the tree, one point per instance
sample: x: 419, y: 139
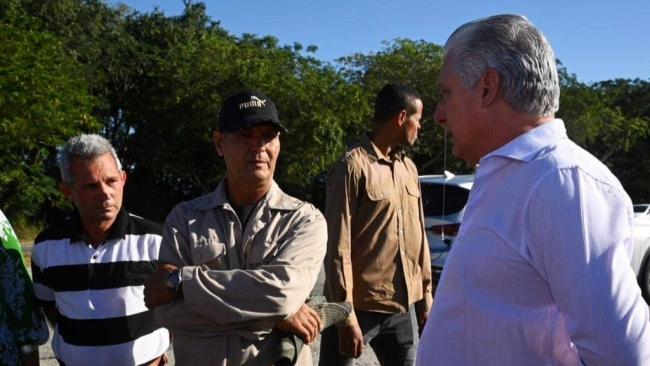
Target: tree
x: 632, y: 99
x: 42, y: 101
x: 417, y: 64
x: 180, y: 70
x: 154, y: 84
x: 604, y: 119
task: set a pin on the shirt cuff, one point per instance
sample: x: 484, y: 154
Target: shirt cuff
x: 350, y: 320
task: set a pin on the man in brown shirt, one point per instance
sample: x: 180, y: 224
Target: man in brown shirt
x: 377, y: 255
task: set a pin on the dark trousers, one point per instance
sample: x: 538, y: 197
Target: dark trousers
x: 393, y: 338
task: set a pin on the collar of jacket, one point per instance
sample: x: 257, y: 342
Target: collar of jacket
x: 275, y: 199
x: 375, y: 155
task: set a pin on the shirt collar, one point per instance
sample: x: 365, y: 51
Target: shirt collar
x: 527, y: 146
x: 117, y: 231
x: 275, y: 198
x: 374, y: 153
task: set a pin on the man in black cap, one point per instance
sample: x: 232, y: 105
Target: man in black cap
x: 240, y: 261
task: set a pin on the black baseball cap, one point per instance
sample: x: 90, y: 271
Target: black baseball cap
x: 247, y: 108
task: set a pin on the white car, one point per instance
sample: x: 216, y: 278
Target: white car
x: 641, y: 254
x: 444, y: 198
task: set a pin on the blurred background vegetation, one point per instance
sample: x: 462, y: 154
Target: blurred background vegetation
x: 153, y: 85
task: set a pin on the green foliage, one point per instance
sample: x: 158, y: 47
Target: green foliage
x: 160, y: 82
x: 417, y: 64
x: 25, y: 230
x: 172, y: 109
x: 42, y: 101
x: 154, y: 84
x: 631, y: 98
x: 611, y: 120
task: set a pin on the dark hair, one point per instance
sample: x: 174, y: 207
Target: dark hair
x: 394, y: 98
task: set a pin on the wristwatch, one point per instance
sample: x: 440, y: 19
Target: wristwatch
x: 26, y: 349
x: 173, y: 282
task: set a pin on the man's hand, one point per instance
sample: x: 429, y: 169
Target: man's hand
x: 422, y: 313
x: 350, y: 340
x: 422, y: 320
x: 305, y: 323
x: 30, y: 359
x: 155, y: 291
x: 160, y: 361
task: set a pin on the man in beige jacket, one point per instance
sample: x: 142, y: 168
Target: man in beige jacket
x: 378, y: 257
x: 240, y: 261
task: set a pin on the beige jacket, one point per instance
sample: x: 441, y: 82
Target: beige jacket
x: 377, y: 257
x: 237, y: 282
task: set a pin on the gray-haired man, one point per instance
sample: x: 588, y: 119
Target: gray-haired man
x: 540, y: 272
x: 89, y: 270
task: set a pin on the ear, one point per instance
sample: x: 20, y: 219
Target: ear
x: 401, y: 117
x: 123, y: 174
x: 489, y: 82
x: 65, y: 189
x: 217, y: 139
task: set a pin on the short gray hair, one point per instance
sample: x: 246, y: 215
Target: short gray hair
x: 519, y: 52
x: 87, y: 147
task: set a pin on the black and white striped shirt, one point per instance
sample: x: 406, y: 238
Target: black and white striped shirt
x: 99, y: 292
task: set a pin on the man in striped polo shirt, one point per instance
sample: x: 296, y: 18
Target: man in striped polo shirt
x: 89, y: 271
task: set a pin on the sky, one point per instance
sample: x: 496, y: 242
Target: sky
x: 595, y: 40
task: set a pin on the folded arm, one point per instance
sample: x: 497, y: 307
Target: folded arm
x: 219, y: 297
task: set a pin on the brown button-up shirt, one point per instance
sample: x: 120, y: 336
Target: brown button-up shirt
x: 377, y: 254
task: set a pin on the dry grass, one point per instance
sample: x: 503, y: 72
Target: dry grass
x: 28, y: 260
x: 26, y: 233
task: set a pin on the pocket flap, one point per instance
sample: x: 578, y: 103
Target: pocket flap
x: 413, y: 189
x: 378, y: 193
x: 207, y: 250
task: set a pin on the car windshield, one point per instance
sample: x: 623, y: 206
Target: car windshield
x: 640, y: 208
x: 432, y: 194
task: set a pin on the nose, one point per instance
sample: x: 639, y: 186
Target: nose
x: 262, y: 141
x: 439, y: 115
x: 104, y: 190
x: 259, y: 142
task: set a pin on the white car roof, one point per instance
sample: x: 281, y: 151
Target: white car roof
x: 465, y: 180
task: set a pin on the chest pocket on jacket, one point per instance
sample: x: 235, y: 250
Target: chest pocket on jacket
x: 209, y: 251
x: 262, y: 252
x: 378, y: 193
x: 379, y: 184
x: 413, y: 197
